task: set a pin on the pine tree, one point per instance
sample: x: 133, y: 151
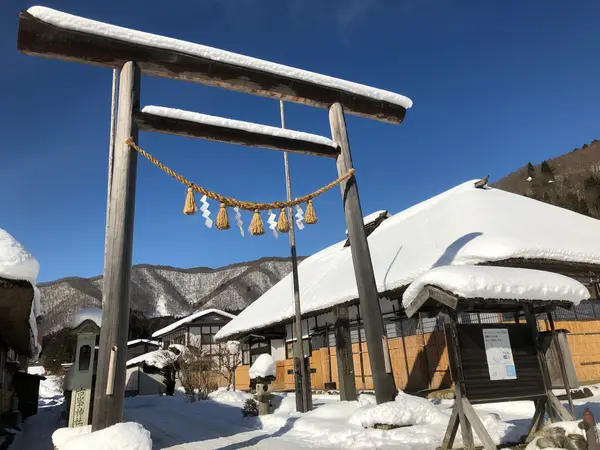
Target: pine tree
x: 530, y: 170
x: 546, y: 168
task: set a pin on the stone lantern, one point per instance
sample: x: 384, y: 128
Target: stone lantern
x: 86, y: 325
x: 264, y: 394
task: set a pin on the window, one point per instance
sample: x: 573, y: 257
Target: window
x: 289, y: 348
x: 85, y: 356
x: 253, y: 349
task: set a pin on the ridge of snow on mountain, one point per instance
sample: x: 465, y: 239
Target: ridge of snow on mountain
x: 160, y: 290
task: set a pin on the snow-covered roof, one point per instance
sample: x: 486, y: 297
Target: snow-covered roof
x: 190, y: 116
x: 71, y: 22
x: 16, y: 263
x: 499, y: 283
x: 158, y: 358
x: 93, y: 314
x: 464, y: 225
x: 144, y: 341
x: 369, y: 219
x: 189, y: 319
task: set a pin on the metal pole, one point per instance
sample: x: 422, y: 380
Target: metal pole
x: 298, y: 347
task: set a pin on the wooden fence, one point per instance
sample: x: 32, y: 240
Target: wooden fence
x: 420, y: 362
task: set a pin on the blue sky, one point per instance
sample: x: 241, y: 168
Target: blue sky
x: 495, y: 84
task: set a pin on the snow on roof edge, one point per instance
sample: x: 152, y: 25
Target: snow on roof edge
x: 499, y: 283
x: 146, y: 341
x: 189, y: 319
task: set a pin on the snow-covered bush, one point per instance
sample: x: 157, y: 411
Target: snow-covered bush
x: 250, y: 408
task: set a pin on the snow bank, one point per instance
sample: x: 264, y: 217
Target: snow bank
x: 464, y: 225
x: 222, y: 395
x: 264, y: 366
x: 75, y: 23
x: 93, y: 314
x: 158, y: 358
x: 222, y: 122
x: 189, y: 319
x: 498, y: 283
x: 405, y: 410
x: 122, y: 436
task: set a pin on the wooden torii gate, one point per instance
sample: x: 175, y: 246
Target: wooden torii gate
x: 48, y: 33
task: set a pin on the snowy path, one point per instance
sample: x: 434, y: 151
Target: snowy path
x: 38, y: 429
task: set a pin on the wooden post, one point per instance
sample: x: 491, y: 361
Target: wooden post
x: 108, y: 409
x: 343, y: 352
x: 385, y: 388
x: 561, y: 362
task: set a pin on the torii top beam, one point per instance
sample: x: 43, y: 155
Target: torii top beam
x: 53, y: 34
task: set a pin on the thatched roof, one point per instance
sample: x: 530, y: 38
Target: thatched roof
x: 16, y: 298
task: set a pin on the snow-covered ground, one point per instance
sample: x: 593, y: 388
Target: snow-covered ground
x: 217, y: 423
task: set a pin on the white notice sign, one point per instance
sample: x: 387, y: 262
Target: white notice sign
x: 499, y: 354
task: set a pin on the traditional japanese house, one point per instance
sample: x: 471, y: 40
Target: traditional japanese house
x: 464, y: 225
x: 138, y: 347
x: 20, y: 339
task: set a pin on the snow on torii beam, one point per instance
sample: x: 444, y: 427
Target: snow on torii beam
x: 49, y: 33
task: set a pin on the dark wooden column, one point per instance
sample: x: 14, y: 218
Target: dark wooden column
x: 343, y: 354
x: 110, y: 374
x: 385, y: 387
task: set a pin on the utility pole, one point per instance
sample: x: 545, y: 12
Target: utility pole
x: 303, y: 403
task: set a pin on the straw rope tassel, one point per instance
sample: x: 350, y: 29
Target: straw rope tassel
x: 190, y: 207
x: 282, y: 224
x: 223, y: 218
x: 310, y: 217
x: 257, y: 227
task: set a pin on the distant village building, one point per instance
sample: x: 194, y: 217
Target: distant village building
x: 198, y: 329
x: 138, y: 347
x: 464, y: 225
x: 20, y: 333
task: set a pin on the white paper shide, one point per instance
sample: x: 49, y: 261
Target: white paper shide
x: 501, y: 364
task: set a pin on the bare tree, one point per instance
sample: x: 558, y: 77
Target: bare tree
x: 229, y: 359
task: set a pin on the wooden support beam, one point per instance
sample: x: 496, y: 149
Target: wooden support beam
x: 108, y: 407
x: 37, y: 37
x: 181, y: 127
x: 385, y: 387
x: 479, y: 428
x: 343, y: 354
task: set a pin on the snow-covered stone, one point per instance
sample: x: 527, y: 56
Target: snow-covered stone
x: 229, y: 397
x: 122, y: 436
x: 405, y: 410
x: 498, y: 283
x: 264, y: 366
x: 461, y: 226
x: 93, y: 314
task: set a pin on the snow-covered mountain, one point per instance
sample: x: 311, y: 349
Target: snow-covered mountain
x: 161, y: 291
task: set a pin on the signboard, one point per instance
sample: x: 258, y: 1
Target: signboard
x: 498, y: 352
x: 83, y: 370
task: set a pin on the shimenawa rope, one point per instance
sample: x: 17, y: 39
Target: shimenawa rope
x: 256, y: 226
